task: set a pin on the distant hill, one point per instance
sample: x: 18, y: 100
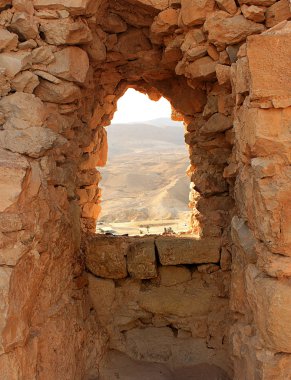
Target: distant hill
x: 153, y: 135
x: 145, y: 175
x: 165, y: 122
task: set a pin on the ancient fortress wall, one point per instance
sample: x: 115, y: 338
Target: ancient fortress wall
x: 225, y: 66
x: 161, y: 299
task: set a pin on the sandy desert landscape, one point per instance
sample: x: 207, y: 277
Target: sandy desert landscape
x: 155, y: 197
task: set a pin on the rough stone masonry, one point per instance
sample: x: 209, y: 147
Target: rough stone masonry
x: 225, y: 66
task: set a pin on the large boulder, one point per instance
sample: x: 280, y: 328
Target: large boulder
x: 224, y: 29
x: 65, y: 32
x: 184, y: 250
x: 271, y: 78
x: 194, y: 12
x: 71, y: 63
x: 106, y: 256
x: 271, y: 303
x: 60, y: 93
x: 14, y: 62
x: 8, y: 41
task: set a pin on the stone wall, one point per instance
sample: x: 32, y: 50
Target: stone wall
x: 261, y: 231
x: 161, y: 299
x: 225, y: 68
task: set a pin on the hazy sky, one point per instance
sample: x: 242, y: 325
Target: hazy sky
x: 134, y: 106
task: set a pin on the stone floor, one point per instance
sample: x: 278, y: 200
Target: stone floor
x: 118, y: 366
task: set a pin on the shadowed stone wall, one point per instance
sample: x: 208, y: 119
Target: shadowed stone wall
x: 63, y: 65
x: 161, y: 299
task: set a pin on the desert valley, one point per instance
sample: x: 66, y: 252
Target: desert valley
x: 154, y: 197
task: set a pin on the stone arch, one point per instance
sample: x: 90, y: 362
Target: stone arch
x: 64, y: 64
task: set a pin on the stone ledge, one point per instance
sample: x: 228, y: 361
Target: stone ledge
x: 180, y: 250
x: 117, y: 257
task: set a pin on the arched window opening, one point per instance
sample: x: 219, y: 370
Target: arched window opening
x: 145, y: 189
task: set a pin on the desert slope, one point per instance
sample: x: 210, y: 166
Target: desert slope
x: 144, y: 181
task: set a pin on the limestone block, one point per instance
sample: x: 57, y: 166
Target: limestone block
x: 223, y: 29
x: 202, y: 68
x: 65, y: 32
x: 165, y: 22
x: 47, y: 76
x: 42, y: 54
x: 17, y: 106
x: 172, y: 275
x: 75, y: 7
x: 272, y: 215
x: 33, y: 141
x: 175, y: 251
x: 61, y: 93
x: 13, y: 171
x: 105, y: 256
x: 141, y: 259
x: 267, y: 132
x: 71, y: 63
x: 25, y: 81
x: 278, y: 12
x: 227, y: 6
x: 192, y: 38
x: 270, y: 75
x: 267, y: 212
x: 194, y: 12
x: 14, y: 62
x: 196, y: 52
x: 253, y: 13
x: 271, y: 304
x: 8, y: 41
x: 216, y: 123
x: 24, y: 25
x: 210, y: 182
x: 173, y: 301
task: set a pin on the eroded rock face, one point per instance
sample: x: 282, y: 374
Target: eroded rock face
x: 225, y: 68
